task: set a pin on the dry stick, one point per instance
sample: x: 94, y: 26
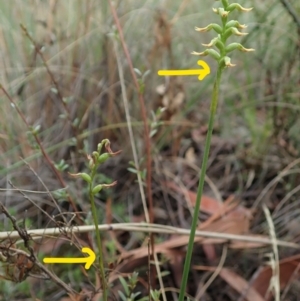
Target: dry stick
x: 46, y: 156
x: 34, y: 204
x: 61, y: 99
x: 47, y: 190
x: 145, y: 227
x: 146, y: 129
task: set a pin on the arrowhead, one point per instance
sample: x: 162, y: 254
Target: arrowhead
x: 90, y: 259
x: 205, y: 71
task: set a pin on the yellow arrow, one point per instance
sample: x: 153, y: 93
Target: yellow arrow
x: 201, y: 72
x: 87, y: 260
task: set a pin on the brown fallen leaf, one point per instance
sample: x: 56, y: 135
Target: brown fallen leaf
x: 240, y: 285
x: 235, y: 221
x: 288, y: 268
x: 208, y: 205
x: 237, y: 282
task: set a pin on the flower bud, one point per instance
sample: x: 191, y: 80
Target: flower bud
x: 95, y: 155
x: 99, y: 146
x: 97, y: 189
x: 91, y: 163
x: 102, y: 158
x: 82, y: 175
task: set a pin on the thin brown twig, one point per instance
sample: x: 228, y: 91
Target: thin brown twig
x: 47, y: 190
x: 60, y: 97
x: 32, y: 202
x: 42, y: 149
x: 145, y: 122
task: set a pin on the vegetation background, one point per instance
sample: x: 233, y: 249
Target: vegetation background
x: 60, y: 69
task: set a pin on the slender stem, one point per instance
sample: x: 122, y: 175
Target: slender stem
x: 213, y: 108
x: 98, y: 237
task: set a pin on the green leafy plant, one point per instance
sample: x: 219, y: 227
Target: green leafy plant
x: 95, y: 160
x: 224, y: 31
x: 129, y: 285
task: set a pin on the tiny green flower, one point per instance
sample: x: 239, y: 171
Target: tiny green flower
x: 234, y: 6
x: 221, y: 11
x: 234, y: 23
x: 227, y: 62
x: 216, y: 42
x: 232, y: 30
x: 238, y: 46
x: 211, y: 52
x: 212, y: 42
x: 216, y: 27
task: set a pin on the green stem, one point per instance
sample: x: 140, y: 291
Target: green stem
x: 98, y: 237
x: 213, y: 108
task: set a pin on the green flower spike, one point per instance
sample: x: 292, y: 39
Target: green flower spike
x: 224, y: 31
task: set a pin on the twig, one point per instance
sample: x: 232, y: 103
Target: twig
x: 61, y: 99
x: 145, y: 227
x: 42, y: 149
x: 145, y: 122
